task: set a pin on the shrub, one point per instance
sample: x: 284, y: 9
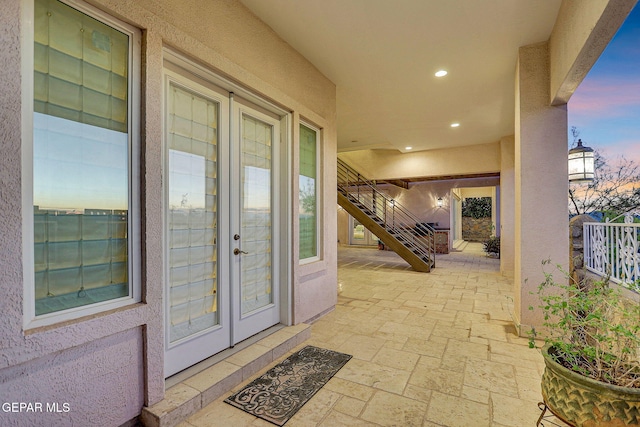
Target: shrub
x: 476, y: 207
x: 592, y: 328
x: 492, y: 246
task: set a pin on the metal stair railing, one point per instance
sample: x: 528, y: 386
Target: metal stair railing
x: 389, y: 214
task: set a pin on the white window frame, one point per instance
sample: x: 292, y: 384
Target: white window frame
x: 30, y: 320
x: 319, y: 193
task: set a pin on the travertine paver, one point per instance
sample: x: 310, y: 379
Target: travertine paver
x: 361, y: 346
x: 374, y: 375
x: 314, y: 411
x: 429, y: 350
x: 491, y: 376
x: 428, y: 375
x: 388, y: 409
x: 447, y: 410
x: 398, y: 359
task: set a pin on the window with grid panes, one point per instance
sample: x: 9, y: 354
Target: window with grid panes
x: 192, y: 137
x: 308, y: 190
x: 82, y: 157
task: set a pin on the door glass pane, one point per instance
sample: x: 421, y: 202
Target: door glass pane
x: 192, y: 218
x: 80, y: 159
x: 308, y: 222
x: 81, y: 67
x: 256, y: 214
x: 358, y: 232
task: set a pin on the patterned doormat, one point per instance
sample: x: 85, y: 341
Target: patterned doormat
x: 277, y: 395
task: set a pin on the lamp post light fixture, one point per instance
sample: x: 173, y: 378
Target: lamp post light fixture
x: 440, y: 202
x: 581, y: 164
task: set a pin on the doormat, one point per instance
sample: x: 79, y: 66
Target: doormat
x: 278, y: 394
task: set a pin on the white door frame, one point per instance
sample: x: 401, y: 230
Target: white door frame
x: 183, y: 66
x: 195, y: 347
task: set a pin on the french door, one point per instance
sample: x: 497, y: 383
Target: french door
x: 361, y: 235
x: 254, y: 214
x: 221, y: 220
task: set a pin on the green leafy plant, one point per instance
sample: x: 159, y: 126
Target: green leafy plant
x: 591, y: 329
x: 492, y: 246
x: 476, y: 207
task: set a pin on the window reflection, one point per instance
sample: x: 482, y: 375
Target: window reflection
x: 192, y: 201
x: 256, y: 215
x: 308, y: 218
x: 80, y: 185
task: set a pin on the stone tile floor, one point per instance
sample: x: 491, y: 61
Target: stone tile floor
x: 434, y: 349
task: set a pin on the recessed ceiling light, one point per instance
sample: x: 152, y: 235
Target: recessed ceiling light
x: 455, y: 125
x: 408, y: 148
x: 441, y: 73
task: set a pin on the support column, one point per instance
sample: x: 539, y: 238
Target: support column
x: 507, y: 206
x: 541, y: 185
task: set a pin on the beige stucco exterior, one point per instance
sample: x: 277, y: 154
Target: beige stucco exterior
x: 107, y: 366
x: 507, y: 207
x: 392, y: 164
x: 547, y: 74
x: 541, y: 217
x: 110, y: 365
x: 579, y: 37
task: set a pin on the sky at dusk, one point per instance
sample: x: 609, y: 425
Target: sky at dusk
x: 606, y: 106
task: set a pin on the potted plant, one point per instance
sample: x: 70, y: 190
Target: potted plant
x: 492, y: 246
x: 591, y: 352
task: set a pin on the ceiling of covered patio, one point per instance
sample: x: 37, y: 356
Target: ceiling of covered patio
x: 383, y: 55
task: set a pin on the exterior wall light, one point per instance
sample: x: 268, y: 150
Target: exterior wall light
x: 581, y: 164
x: 440, y: 202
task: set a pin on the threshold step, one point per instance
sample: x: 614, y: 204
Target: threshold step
x: 195, y: 392
x: 459, y: 245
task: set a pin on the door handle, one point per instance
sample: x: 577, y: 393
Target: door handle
x: 237, y: 251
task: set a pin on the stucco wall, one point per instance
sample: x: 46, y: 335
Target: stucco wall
x: 507, y: 206
x: 541, y: 217
x: 108, y: 370
x: 421, y: 198
x: 392, y: 164
x: 546, y: 74
x: 343, y: 226
x: 581, y: 33
x: 98, y: 364
x: 10, y: 182
x: 469, y: 192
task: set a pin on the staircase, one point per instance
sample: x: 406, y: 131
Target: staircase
x: 394, y: 225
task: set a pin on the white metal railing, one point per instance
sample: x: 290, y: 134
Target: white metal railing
x: 612, y: 249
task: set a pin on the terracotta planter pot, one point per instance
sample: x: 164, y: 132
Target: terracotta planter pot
x: 584, y: 402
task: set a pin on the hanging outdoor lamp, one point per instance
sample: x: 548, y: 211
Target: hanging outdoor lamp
x: 581, y: 164
x: 440, y: 202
